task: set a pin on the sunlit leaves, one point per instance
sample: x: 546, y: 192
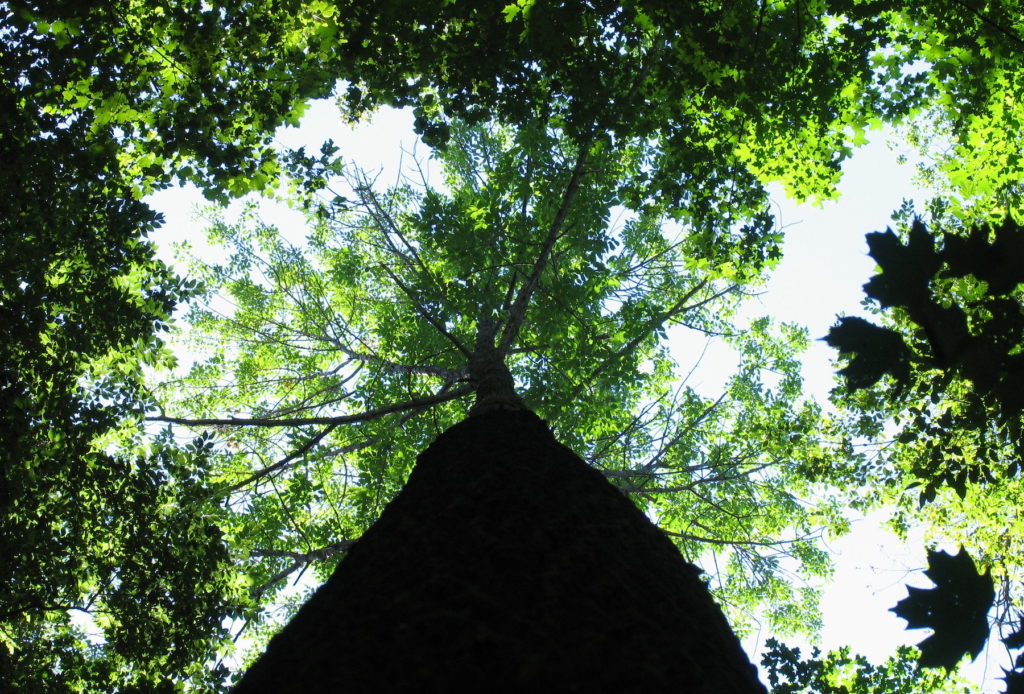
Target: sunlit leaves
x: 842, y: 672
x: 372, y: 310
x: 974, y: 77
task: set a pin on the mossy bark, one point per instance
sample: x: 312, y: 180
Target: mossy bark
x: 507, y: 564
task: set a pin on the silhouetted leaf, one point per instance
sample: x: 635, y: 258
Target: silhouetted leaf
x: 1016, y: 639
x: 956, y: 609
x: 907, y: 269
x: 1014, y: 682
x: 875, y: 351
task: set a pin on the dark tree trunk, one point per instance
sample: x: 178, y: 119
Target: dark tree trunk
x: 507, y: 564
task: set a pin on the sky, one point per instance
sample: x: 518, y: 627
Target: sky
x: 824, y: 265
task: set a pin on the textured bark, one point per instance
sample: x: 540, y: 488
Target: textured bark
x: 507, y: 564
x: 495, y: 387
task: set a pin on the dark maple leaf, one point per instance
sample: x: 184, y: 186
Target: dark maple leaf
x: 1014, y: 682
x: 955, y: 609
x: 1016, y: 639
x: 907, y: 270
x: 875, y: 351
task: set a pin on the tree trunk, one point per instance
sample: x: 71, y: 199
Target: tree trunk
x: 507, y: 564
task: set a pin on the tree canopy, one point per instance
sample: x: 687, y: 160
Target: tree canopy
x: 351, y: 354
x: 348, y: 349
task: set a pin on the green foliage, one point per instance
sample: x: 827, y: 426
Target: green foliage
x: 130, y: 545
x: 89, y: 524
x: 684, y: 110
x: 953, y: 353
x: 169, y: 90
x: 840, y: 672
x: 341, y: 359
x: 971, y: 115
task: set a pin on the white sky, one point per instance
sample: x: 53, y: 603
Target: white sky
x: 824, y: 265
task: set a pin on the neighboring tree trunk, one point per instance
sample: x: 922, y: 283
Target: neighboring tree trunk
x: 507, y: 564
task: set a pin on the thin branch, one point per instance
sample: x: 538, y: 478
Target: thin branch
x: 731, y: 543
x: 679, y: 307
x: 653, y: 462
x: 306, y: 557
x: 284, y: 462
x: 427, y: 315
x: 393, y: 367
x: 517, y: 313
x: 710, y: 479
x: 410, y: 257
x: 299, y: 560
x: 367, y: 416
x: 635, y: 423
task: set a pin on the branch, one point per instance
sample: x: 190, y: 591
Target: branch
x: 427, y: 315
x: 732, y: 543
x: 517, y: 314
x: 367, y: 416
x: 299, y: 560
x: 679, y: 307
x: 287, y: 461
x: 364, y: 189
x: 653, y: 462
x: 699, y: 481
x: 387, y: 365
x: 306, y: 557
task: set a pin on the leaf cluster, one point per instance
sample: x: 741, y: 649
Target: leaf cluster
x: 841, y: 672
x: 952, y: 355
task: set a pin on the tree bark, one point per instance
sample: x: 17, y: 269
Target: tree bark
x: 507, y: 564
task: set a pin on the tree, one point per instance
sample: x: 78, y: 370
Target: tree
x: 113, y: 101
x: 94, y: 519
x: 507, y: 564
x: 356, y: 347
